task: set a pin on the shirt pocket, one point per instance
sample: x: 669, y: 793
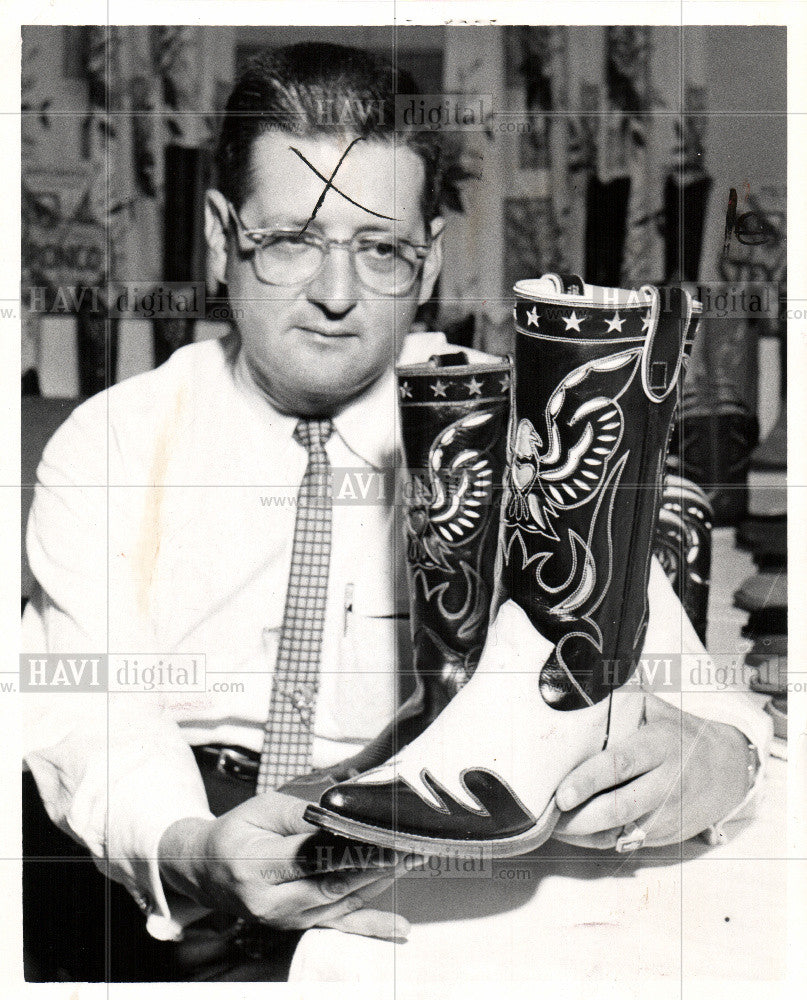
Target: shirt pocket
x: 374, y: 653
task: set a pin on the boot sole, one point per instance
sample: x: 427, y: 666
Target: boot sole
x: 412, y: 843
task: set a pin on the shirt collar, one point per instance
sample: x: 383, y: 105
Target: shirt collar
x: 281, y: 423
x: 368, y: 425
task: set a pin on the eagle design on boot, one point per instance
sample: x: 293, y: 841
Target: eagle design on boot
x: 579, y: 465
x: 573, y: 464
x: 448, y: 510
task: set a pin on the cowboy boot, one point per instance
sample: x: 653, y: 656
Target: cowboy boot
x: 594, y: 399
x: 683, y: 546
x: 454, y: 418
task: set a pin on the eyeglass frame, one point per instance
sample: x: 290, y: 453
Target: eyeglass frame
x: 326, y: 243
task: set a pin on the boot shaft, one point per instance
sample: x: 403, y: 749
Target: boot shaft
x: 454, y: 419
x: 596, y: 381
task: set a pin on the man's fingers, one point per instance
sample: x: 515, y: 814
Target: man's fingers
x: 310, y: 902
x: 278, y: 814
x: 348, y: 904
x: 371, y: 923
x: 603, y: 840
x: 286, y: 859
x: 337, y: 885
x: 326, y: 890
x: 304, y: 856
x: 613, y: 809
x: 644, y: 751
x: 607, y: 839
x: 352, y: 915
x: 322, y: 852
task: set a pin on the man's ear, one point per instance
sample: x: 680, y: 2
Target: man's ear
x: 216, y: 223
x: 434, y: 260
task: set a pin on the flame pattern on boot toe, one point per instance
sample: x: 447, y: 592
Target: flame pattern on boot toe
x: 488, y: 810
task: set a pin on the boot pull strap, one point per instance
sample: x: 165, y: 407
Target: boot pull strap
x: 448, y: 360
x: 566, y: 284
x: 663, y: 351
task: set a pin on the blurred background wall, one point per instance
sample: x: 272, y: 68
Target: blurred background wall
x: 610, y: 151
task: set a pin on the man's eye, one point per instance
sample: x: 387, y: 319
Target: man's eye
x: 381, y: 248
x: 381, y: 251
x: 289, y: 243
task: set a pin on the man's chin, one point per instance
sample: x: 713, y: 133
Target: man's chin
x: 327, y: 391
x: 318, y: 386
x: 329, y: 399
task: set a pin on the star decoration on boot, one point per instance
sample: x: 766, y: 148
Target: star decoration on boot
x: 474, y: 387
x: 439, y: 388
x: 646, y: 322
x: 572, y: 321
x: 504, y: 382
x: 405, y: 390
x: 614, y: 324
x: 532, y: 317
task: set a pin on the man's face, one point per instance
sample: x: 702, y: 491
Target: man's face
x: 315, y: 346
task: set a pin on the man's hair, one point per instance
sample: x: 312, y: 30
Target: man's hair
x: 313, y: 89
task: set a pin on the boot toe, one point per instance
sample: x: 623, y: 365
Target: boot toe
x: 371, y: 804
x: 396, y: 806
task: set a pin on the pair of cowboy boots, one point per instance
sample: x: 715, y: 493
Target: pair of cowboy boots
x: 454, y: 424
x: 596, y: 374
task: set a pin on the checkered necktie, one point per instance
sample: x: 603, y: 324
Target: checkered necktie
x: 287, y: 739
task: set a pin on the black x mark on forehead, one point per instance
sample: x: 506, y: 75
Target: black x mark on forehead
x: 330, y: 186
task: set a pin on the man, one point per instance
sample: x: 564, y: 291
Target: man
x: 165, y: 524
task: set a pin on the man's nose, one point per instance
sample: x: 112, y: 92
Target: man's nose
x: 335, y: 287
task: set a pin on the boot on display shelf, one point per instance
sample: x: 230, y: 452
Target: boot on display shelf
x: 595, y: 376
x: 764, y: 591
x: 713, y: 445
x: 454, y: 420
x: 771, y: 454
x: 766, y: 539
x: 683, y: 545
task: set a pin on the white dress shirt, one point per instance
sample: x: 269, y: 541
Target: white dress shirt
x: 162, y: 524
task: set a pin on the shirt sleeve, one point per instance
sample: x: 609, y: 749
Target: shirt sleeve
x: 704, y: 690
x: 113, y: 770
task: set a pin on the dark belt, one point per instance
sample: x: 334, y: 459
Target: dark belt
x: 237, y: 762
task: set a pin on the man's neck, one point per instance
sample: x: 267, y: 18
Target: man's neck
x: 302, y: 408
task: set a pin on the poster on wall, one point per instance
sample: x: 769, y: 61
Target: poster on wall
x: 64, y: 247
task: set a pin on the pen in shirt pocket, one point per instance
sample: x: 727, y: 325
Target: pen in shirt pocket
x: 348, y: 610
x: 348, y: 606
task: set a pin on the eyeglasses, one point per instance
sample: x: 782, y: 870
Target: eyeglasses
x: 384, y: 264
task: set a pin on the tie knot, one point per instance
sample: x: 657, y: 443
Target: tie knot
x: 313, y: 434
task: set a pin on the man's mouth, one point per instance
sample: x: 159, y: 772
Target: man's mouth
x: 330, y: 333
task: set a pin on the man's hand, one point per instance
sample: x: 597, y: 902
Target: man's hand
x: 675, y: 776
x: 262, y: 861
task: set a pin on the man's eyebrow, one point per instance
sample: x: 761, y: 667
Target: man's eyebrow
x: 329, y: 185
x: 282, y: 223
